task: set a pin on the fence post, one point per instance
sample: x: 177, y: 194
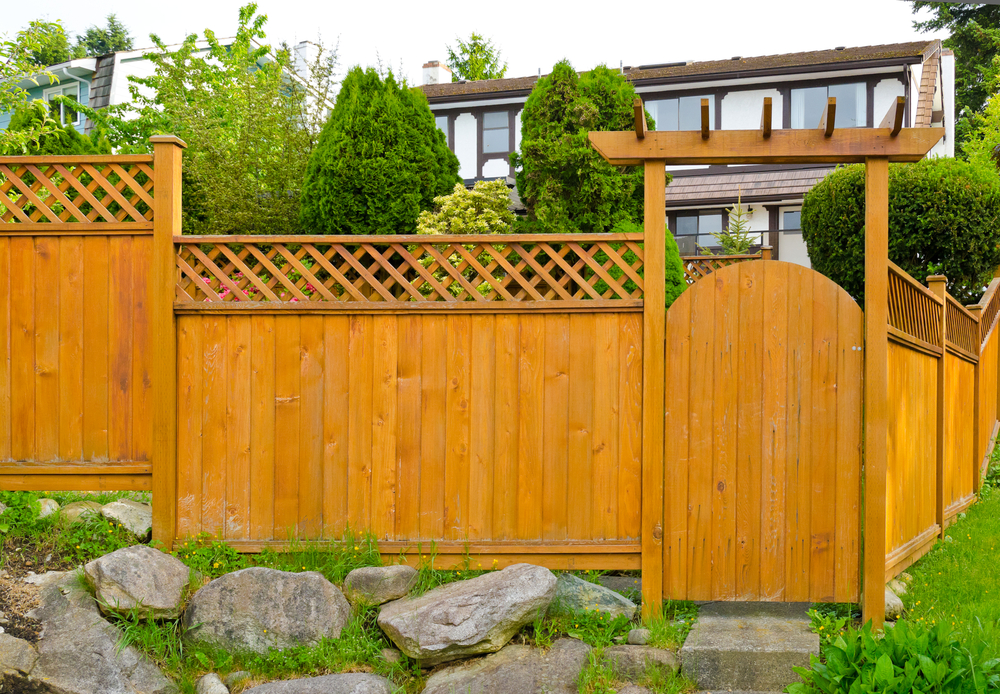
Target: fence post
x: 162, y: 287
x: 978, y: 445
x: 876, y: 385
x: 654, y: 320
x: 765, y: 252
x: 938, y: 285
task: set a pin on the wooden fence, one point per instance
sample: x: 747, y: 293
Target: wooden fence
x: 482, y: 393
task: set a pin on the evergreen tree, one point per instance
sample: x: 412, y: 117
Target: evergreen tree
x: 30, y: 116
x: 379, y: 162
x: 475, y: 59
x: 100, y: 41
x: 47, y: 43
x: 565, y: 184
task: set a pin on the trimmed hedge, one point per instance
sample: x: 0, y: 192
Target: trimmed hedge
x: 944, y: 217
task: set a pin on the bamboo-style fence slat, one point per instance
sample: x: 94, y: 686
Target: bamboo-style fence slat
x: 913, y: 309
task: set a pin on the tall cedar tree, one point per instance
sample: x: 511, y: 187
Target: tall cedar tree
x: 476, y: 59
x: 110, y: 39
x: 30, y: 116
x: 379, y: 162
x: 563, y: 181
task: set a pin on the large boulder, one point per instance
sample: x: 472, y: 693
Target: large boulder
x: 136, y: 517
x: 17, y: 656
x: 515, y: 669
x: 375, y: 585
x: 350, y: 683
x: 210, y: 684
x: 258, y: 609
x: 470, y: 617
x: 79, y: 652
x: 576, y: 595
x: 139, y: 578
x: 46, y: 507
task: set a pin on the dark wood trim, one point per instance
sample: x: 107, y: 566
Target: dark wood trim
x: 451, y: 131
x: 773, y: 233
x: 786, y: 107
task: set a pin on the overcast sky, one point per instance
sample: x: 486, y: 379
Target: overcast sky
x: 531, y: 35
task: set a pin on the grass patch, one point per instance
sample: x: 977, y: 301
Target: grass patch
x: 672, y: 627
x: 598, y: 678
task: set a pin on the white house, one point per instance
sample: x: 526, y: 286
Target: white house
x: 482, y: 122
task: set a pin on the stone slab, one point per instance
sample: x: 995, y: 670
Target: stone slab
x: 749, y: 647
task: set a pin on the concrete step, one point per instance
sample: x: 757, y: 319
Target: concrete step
x: 748, y: 647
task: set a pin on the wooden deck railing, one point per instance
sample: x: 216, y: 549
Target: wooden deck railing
x: 698, y: 266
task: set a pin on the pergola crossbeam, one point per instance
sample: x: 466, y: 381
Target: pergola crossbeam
x: 765, y: 118
x: 826, y: 122
x: 894, y: 117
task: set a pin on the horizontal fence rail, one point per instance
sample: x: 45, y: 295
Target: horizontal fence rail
x: 914, y: 311
x: 76, y: 194
x: 404, y: 270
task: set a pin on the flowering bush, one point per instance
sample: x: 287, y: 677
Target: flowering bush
x: 482, y: 210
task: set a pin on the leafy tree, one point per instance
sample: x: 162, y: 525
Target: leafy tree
x: 249, y: 122
x: 30, y: 117
x: 565, y: 184
x: 380, y: 160
x: 975, y: 39
x: 475, y: 59
x: 46, y: 42
x: 944, y: 216
x: 17, y: 64
x: 103, y: 40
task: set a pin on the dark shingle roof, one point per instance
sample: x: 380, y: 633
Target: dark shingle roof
x: 100, y: 85
x: 752, y: 186
x: 914, y: 51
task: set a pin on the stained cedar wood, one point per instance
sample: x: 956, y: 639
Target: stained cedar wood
x: 432, y: 434
x: 481, y: 435
x: 214, y: 454
x: 336, y: 432
x: 71, y: 326
x: 606, y: 416
x: 506, y: 430
x: 5, y: 362
x: 558, y: 480
x: 530, y: 427
x: 262, y: 409
x: 959, y: 431
x: 96, y: 281
x: 142, y: 354
x: 698, y: 493
x: 384, y: 434
x: 677, y: 447
x: 850, y: 332
x: 238, y: 416
x: 748, y: 463
x: 773, y: 431
x: 359, y: 442
x: 457, y: 416
x: 22, y: 353
x: 629, y: 435
x: 46, y: 350
x: 581, y: 425
x: 310, y: 465
x: 190, y: 425
x: 287, y: 396
x: 799, y: 460
x: 121, y: 315
x: 409, y: 424
x: 937, y: 284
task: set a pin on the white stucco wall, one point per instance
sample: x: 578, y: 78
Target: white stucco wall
x: 791, y: 247
x: 517, y: 131
x: 915, y: 72
x: 465, y: 145
x: 885, y: 94
x: 741, y: 110
x: 496, y: 168
x: 948, y: 102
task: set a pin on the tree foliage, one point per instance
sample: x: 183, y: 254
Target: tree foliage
x: 563, y: 181
x: 482, y: 210
x: 31, y: 116
x: 111, y: 38
x: 944, y: 217
x: 475, y: 59
x: 249, y: 121
x: 380, y: 160
x: 18, y: 65
x: 975, y: 39
x: 46, y: 42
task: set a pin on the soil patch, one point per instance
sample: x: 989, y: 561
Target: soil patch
x: 16, y: 600
x: 21, y: 556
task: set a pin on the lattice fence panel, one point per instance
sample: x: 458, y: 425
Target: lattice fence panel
x: 408, y: 269
x: 698, y: 266
x: 110, y: 192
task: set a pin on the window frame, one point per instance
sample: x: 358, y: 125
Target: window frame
x: 58, y: 90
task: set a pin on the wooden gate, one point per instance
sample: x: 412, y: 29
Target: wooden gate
x: 762, y: 440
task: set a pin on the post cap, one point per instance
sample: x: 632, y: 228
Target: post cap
x: 936, y: 278
x: 168, y: 140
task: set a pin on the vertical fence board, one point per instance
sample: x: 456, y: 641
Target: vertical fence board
x: 310, y: 472
x: 71, y: 318
x: 336, y: 423
x: 190, y: 425
x: 748, y: 462
x: 238, y: 414
x: 850, y: 331
x: 676, y: 449
x: 699, y: 480
x: 456, y: 478
x: 481, y: 460
x: 384, y: 431
x: 432, y: 421
x: 96, y: 350
x: 47, y: 349
x: 287, y: 397
x: 408, y: 421
x: 606, y: 423
x: 262, y: 420
x: 630, y: 426
x: 22, y: 348
x: 215, y: 388
x: 142, y: 332
x: 581, y: 425
x: 557, y: 480
x: 5, y: 331
x: 506, y: 432
x: 531, y: 429
x: 122, y: 316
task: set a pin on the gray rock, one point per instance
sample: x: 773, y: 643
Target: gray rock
x: 515, y: 669
x: 629, y: 586
x: 391, y: 655
x: 3, y: 507
x: 897, y: 587
x: 576, y: 595
x: 639, y: 637
x: 78, y: 652
x: 635, y: 689
x: 47, y: 507
x: 211, y: 684
x: 470, y: 617
x: 631, y: 662
x: 352, y: 683
x: 78, y: 510
x: 257, y: 609
x: 17, y: 656
x: 136, y: 517
x: 235, y: 678
x: 139, y: 578
x: 375, y: 585
x: 893, y: 605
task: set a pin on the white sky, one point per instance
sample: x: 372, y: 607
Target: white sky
x: 531, y: 35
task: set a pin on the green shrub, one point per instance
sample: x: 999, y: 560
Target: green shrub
x: 944, y: 216
x: 379, y: 162
x: 482, y: 210
x: 902, y: 660
x: 32, y: 116
x: 565, y: 184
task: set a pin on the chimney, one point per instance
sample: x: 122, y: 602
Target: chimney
x: 436, y: 73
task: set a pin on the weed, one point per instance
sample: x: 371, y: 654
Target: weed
x: 598, y: 678
x: 831, y: 619
x: 672, y: 627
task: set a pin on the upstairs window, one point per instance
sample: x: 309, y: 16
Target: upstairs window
x: 496, y: 132
x: 442, y: 124
x: 808, y: 105
x: 683, y: 113
x: 695, y: 229
x: 64, y: 114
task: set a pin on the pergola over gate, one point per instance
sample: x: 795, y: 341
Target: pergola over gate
x: 876, y: 148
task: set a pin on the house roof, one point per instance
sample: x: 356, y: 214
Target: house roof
x: 752, y: 186
x: 810, y: 61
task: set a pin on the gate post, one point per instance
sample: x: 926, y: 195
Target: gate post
x: 876, y: 385
x: 162, y: 287
x: 978, y: 444
x: 938, y: 285
x: 654, y: 321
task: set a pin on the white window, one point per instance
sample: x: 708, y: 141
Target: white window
x: 65, y: 115
x: 791, y: 247
x: 442, y: 124
x: 681, y: 114
x: 496, y: 132
x: 808, y: 105
x: 696, y: 228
